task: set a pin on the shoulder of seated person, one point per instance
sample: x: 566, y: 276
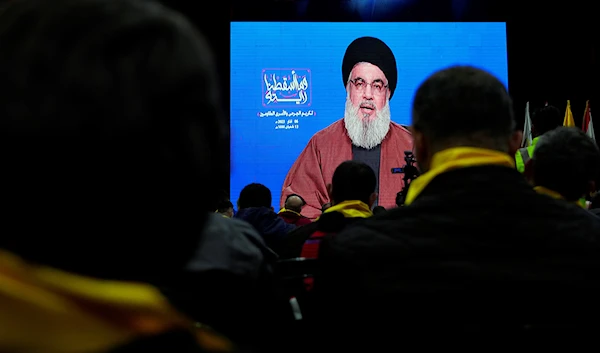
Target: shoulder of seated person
x: 333, y: 222
x: 350, y: 229
x: 219, y: 223
x: 233, y: 229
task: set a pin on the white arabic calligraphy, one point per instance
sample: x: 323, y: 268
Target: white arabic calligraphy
x: 294, y: 84
x: 298, y: 113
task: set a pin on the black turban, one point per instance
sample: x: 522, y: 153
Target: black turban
x: 374, y: 51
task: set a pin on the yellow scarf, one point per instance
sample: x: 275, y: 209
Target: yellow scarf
x: 555, y: 195
x: 351, y: 209
x: 43, y: 309
x: 286, y: 210
x: 455, y: 158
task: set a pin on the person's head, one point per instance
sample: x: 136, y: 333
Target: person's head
x: 225, y: 207
x: 567, y: 161
x: 294, y: 203
x: 462, y: 106
x: 378, y: 210
x: 254, y: 195
x: 352, y: 181
x: 110, y: 128
x: 369, y: 72
x: 545, y: 119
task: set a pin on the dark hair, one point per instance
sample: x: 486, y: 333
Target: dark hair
x: 110, y: 128
x: 378, y: 210
x: 546, y: 119
x: 565, y: 160
x: 224, y: 206
x: 255, y: 195
x: 353, y: 180
x: 463, y: 103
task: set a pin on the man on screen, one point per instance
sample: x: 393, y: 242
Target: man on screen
x: 365, y: 133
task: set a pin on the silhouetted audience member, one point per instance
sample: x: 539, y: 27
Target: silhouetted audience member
x: 352, y: 191
x: 225, y: 208
x: 228, y: 284
x: 475, y: 251
x: 110, y: 130
x: 292, y: 211
x: 254, y: 207
x: 566, y: 165
x: 543, y: 120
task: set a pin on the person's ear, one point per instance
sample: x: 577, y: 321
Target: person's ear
x: 515, y: 142
x: 421, y: 150
x: 372, y: 199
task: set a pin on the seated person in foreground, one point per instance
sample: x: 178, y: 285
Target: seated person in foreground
x: 352, y: 192
x: 474, y: 251
x: 254, y: 207
x: 577, y: 158
x: 292, y: 211
x: 225, y: 208
x: 110, y: 128
x: 230, y: 258
x: 543, y: 120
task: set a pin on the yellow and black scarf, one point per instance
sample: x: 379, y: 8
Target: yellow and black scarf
x: 351, y: 209
x: 286, y: 210
x: 555, y: 195
x: 456, y: 158
x: 43, y: 309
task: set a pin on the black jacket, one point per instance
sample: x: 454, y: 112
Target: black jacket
x: 330, y: 223
x: 477, y: 253
x: 229, y: 282
x: 269, y: 225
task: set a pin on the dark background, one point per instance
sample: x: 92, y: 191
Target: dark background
x: 551, y: 46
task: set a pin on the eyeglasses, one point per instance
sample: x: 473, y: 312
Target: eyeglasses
x: 377, y: 86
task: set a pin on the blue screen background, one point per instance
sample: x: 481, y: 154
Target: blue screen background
x: 267, y: 137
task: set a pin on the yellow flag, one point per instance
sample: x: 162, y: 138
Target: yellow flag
x: 568, y: 116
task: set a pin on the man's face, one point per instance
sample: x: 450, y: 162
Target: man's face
x: 368, y: 89
x: 367, y: 112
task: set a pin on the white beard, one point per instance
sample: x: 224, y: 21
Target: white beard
x: 370, y: 132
